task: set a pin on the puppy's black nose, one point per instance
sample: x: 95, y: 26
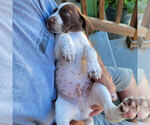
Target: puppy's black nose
x: 51, y: 21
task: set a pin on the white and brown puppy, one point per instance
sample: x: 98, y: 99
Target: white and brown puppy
x: 76, y: 64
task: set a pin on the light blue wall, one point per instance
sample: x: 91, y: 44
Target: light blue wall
x: 117, y: 50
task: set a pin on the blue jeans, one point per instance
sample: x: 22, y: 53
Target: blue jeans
x: 33, y: 62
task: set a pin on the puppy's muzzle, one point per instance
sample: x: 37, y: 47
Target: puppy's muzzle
x: 51, y: 22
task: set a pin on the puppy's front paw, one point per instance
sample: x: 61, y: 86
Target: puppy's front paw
x: 94, y: 70
x: 68, y: 52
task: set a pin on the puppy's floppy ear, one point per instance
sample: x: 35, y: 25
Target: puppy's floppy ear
x: 87, y: 24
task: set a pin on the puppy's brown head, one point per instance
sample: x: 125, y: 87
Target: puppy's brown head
x: 68, y: 18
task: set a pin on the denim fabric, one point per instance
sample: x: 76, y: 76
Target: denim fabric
x: 33, y: 62
x: 5, y: 62
x: 100, y: 120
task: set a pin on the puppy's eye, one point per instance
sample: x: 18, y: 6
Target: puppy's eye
x: 66, y: 14
x: 55, y: 10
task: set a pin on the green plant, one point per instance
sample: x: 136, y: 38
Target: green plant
x: 128, y: 4
x: 142, y: 5
x: 112, y: 3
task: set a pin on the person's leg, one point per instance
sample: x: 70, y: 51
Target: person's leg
x: 124, y: 81
x: 142, y: 90
x: 126, y: 84
x: 130, y: 90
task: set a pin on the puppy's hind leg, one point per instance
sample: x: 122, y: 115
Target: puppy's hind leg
x: 65, y: 111
x: 101, y: 96
x: 89, y: 121
x: 113, y: 113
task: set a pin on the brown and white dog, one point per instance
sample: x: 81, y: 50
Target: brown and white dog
x: 76, y: 64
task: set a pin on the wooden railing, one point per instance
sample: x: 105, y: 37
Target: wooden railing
x: 144, y: 28
x: 133, y: 31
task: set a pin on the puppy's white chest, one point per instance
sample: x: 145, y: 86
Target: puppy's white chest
x: 79, y: 47
x: 71, y: 78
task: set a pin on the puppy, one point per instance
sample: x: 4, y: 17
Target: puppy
x: 76, y: 65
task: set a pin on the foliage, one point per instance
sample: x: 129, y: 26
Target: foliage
x: 142, y: 5
x: 128, y: 4
x: 112, y: 3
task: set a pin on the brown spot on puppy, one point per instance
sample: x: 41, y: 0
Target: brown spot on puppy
x: 78, y: 91
x: 87, y: 83
x: 72, y: 72
x: 78, y: 85
x: 70, y: 82
x: 72, y: 18
x: 84, y: 87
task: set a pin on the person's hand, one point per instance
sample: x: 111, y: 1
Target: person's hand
x: 96, y: 110
x: 106, y: 80
x: 77, y: 123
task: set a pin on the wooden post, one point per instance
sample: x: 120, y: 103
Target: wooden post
x: 134, y: 24
x: 147, y: 37
x: 146, y: 17
x: 146, y: 21
x: 134, y: 19
x: 101, y: 9
x: 119, y: 10
x: 84, y: 7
